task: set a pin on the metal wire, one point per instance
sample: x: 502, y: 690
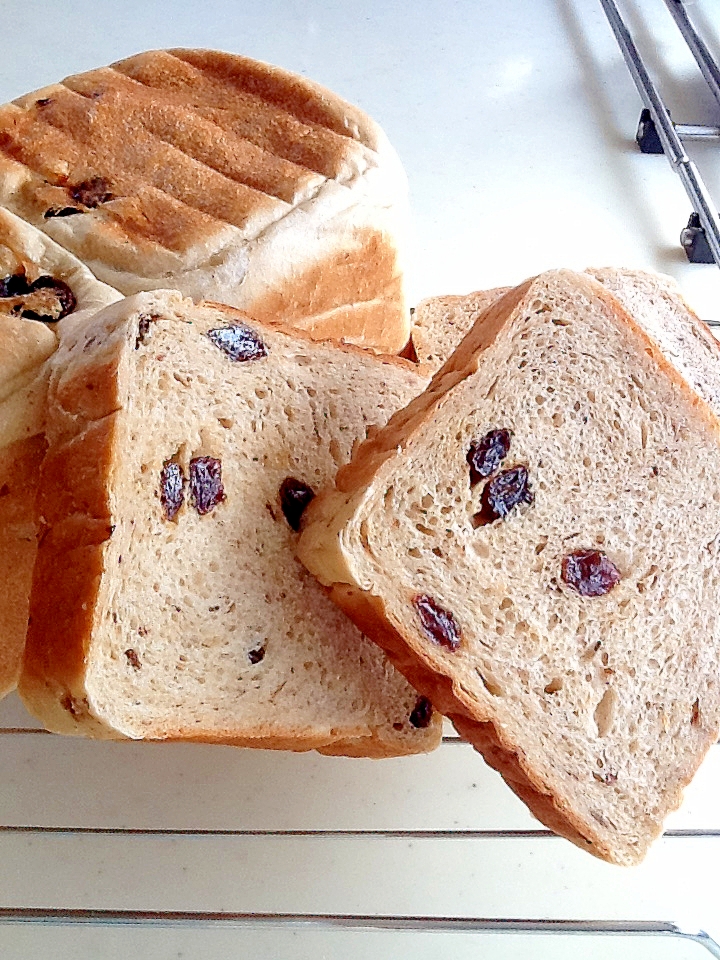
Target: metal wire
x: 672, y: 144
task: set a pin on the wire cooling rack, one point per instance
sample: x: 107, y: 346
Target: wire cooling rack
x: 155, y: 850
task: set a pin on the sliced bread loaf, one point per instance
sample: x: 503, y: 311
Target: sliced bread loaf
x: 223, y: 177
x: 534, y: 541
x: 184, y: 443
x: 42, y: 288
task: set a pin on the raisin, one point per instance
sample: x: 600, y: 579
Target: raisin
x: 43, y: 101
x: 61, y: 212
x: 255, y: 656
x: 14, y: 286
x: 60, y: 303
x: 239, y: 342
x: 695, y: 716
x: 485, y: 456
x: 439, y: 624
x: 294, y: 498
x: 133, y: 659
x: 91, y: 193
x: 590, y: 573
x: 422, y: 713
x: 206, y: 489
x: 172, y: 494
x: 504, y: 492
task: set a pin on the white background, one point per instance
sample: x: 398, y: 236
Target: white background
x: 515, y: 121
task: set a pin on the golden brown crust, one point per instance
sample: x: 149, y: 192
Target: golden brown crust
x: 355, y: 295
x: 19, y: 472
x: 75, y: 525
x: 221, y: 176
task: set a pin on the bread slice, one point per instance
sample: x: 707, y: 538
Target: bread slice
x: 167, y: 603
x: 440, y: 323
x: 534, y: 541
x: 67, y: 290
x: 653, y: 300
x: 223, y: 177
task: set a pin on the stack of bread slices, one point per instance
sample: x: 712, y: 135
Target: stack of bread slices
x: 229, y: 511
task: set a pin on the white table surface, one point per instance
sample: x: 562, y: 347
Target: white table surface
x: 515, y: 121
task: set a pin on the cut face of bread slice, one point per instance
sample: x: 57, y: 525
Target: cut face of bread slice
x: 184, y: 443
x: 440, y: 323
x: 42, y: 288
x: 534, y: 541
x: 226, y: 178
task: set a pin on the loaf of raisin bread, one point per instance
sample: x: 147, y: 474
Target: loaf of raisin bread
x: 223, y: 177
x: 185, y: 442
x: 534, y: 542
x: 42, y: 287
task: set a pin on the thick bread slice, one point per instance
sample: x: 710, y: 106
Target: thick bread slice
x: 653, y: 300
x: 169, y: 608
x: 25, y: 345
x: 440, y: 323
x: 226, y: 178
x: 597, y: 709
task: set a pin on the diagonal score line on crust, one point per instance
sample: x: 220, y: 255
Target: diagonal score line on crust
x: 137, y: 169
x: 210, y: 93
x: 198, y: 211
x: 174, y: 101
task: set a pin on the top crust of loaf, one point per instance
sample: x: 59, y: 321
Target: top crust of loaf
x: 227, y: 178
x: 619, y: 805
x: 143, y: 624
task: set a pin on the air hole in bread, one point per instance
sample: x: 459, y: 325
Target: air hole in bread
x: 481, y: 549
x: 490, y: 684
x: 604, y: 714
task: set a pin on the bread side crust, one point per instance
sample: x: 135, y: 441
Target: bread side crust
x: 322, y: 548
x: 26, y: 347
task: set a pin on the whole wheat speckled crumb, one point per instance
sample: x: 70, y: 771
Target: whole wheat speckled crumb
x: 184, y: 442
x: 534, y: 541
